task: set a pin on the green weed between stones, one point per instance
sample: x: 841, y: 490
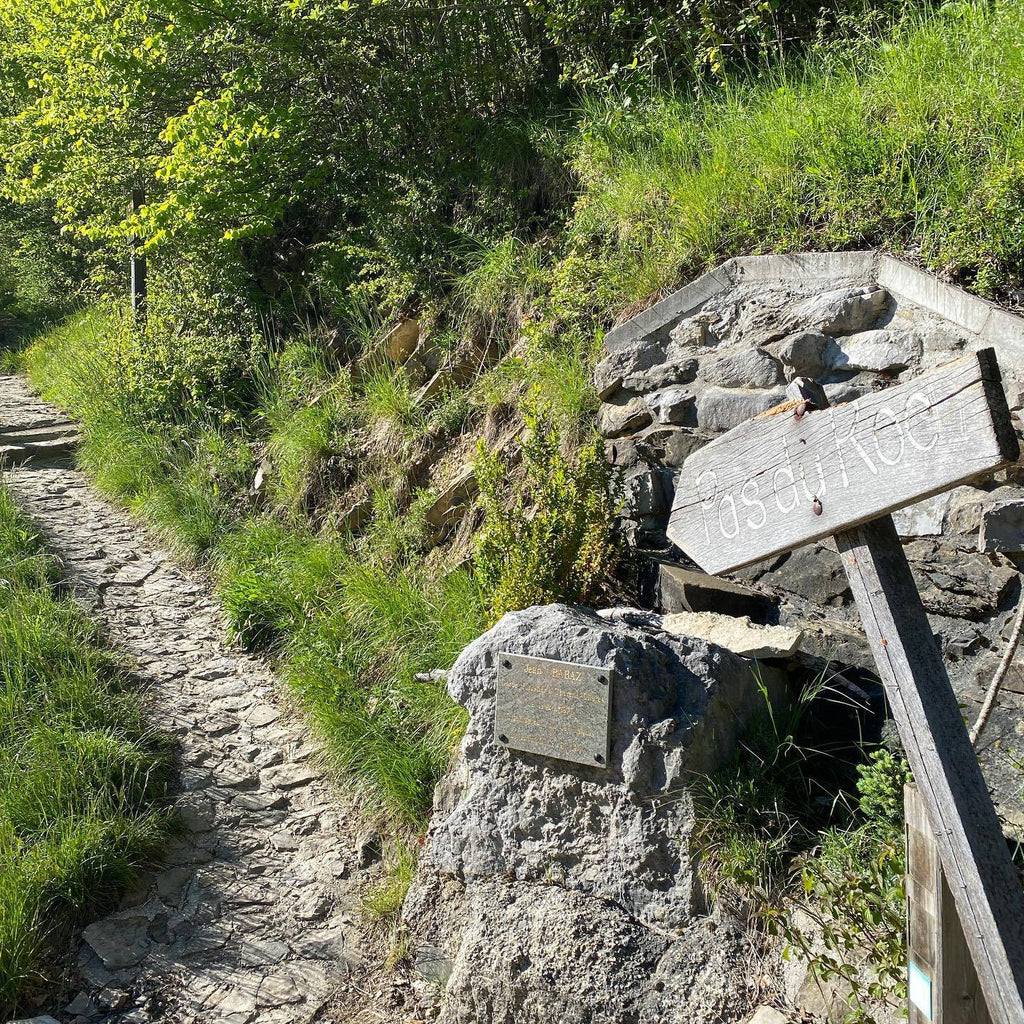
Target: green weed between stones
x: 806, y: 843
x: 81, y: 778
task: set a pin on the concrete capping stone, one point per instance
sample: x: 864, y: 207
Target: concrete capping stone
x: 925, y: 290
x: 829, y: 267
x: 1004, y: 330
x: 672, y: 307
x: 991, y: 324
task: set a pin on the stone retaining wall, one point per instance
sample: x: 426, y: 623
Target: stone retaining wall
x: 722, y: 350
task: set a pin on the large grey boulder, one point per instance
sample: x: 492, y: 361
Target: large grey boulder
x: 555, y: 891
x: 880, y: 351
x: 842, y: 310
x: 720, y: 409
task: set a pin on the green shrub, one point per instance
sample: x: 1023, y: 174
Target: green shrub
x: 880, y: 784
x: 548, y: 524
x: 780, y: 829
x: 853, y: 891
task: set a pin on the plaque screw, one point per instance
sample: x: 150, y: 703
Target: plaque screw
x: 599, y: 758
x: 603, y: 680
x: 507, y: 663
x: 503, y: 738
x: 816, y: 505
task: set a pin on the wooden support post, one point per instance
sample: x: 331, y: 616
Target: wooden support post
x: 970, y: 842
x: 944, y: 985
x: 799, y: 473
x: 139, y: 284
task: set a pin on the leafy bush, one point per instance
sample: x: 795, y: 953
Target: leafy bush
x: 880, y: 784
x: 551, y: 538
x: 854, y: 893
x: 786, y: 825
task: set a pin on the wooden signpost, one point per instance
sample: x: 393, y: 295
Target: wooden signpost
x: 797, y: 474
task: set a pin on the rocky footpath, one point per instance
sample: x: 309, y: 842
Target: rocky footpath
x: 550, y: 891
x: 722, y: 350
x: 253, y: 915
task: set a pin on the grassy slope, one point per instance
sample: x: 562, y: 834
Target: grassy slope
x: 80, y: 777
x: 914, y: 144
x: 352, y: 621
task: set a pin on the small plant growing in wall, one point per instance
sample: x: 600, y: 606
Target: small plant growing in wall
x: 548, y: 522
x: 852, y: 890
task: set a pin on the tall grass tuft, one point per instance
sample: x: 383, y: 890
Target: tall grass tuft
x: 354, y: 633
x: 914, y: 143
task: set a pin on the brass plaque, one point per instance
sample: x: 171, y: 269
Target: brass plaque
x: 554, y: 708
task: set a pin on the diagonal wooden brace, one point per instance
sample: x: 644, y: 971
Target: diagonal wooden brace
x: 973, y: 851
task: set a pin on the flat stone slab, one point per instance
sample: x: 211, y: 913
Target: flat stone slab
x: 739, y: 635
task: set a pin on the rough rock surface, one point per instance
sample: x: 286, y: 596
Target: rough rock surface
x: 736, y: 633
x: 537, y: 869
x: 253, y: 915
x: 965, y: 546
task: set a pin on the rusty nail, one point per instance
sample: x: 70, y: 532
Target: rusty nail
x: 800, y: 409
x: 816, y: 505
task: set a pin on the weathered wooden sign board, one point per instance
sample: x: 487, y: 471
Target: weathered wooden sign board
x: 779, y: 481
x: 554, y: 708
x: 783, y: 480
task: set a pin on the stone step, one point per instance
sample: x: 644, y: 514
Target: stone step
x: 16, y: 454
x: 31, y: 433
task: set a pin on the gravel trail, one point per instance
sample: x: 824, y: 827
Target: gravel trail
x: 253, y: 916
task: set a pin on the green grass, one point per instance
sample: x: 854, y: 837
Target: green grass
x: 353, y: 633
x: 914, y: 143
x: 81, y: 778
x: 351, y: 620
